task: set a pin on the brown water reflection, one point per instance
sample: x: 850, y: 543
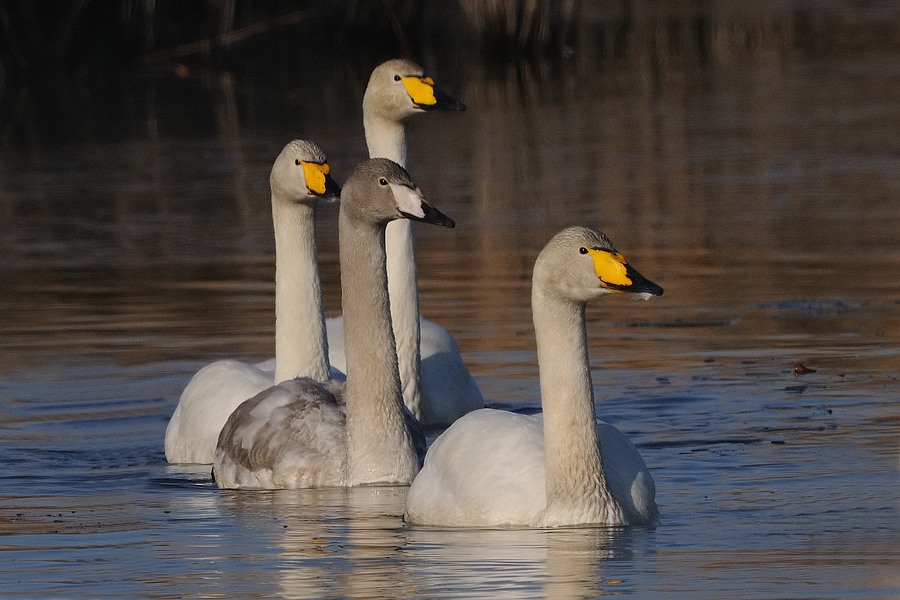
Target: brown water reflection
x: 745, y: 159
x: 350, y: 543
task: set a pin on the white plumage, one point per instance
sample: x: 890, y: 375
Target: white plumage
x: 300, y: 345
x: 495, y: 468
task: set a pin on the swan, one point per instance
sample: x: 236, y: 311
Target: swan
x: 296, y: 434
x: 300, y: 176
x: 493, y: 468
x: 437, y: 386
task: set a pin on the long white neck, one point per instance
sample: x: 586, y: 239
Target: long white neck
x: 387, y: 139
x: 379, y: 447
x: 576, y: 485
x: 301, y: 348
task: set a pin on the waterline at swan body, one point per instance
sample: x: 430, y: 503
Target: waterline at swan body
x: 367, y: 438
x: 300, y: 176
x: 563, y: 467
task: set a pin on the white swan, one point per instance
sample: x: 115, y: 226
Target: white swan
x: 296, y: 434
x: 299, y: 177
x: 437, y: 386
x: 494, y: 468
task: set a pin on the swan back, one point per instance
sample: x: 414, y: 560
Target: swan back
x: 288, y: 436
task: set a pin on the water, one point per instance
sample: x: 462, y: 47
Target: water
x: 757, y: 181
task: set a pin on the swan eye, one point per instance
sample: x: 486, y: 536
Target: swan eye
x: 297, y: 162
x: 397, y: 78
x: 583, y: 250
x: 382, y: 181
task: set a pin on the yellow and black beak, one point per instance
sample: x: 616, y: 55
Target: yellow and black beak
x: 617, y: 275
x: 426, y: 96
x: 319, y: 181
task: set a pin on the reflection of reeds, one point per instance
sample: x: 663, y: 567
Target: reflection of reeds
x: 287, y: 62
x: 38, y: 36
x: 523, y: 23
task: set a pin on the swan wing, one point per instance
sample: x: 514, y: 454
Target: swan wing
x: 627, y: 475
x: 207, y: 400
x: 448, y: 390
x: 447, y: 387
x: 291, y: 435
x: 487, y: 469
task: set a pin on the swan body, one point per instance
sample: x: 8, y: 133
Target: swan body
x: 437, y: 385
x: 297, y: 434
x: 447, y: 390
x: 564, y: 467
x: 300, y: 176
x: 302, y: 424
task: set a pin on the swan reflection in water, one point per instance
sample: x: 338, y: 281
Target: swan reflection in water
x: 351, y: 542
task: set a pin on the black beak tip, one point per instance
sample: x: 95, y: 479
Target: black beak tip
x: 432, y: 216
x: 332, y: 188
x: 436, y: 217
x: 332, y: 191
x: 444, y: 101
x: 642, y: 285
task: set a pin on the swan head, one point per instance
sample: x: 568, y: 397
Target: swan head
x: 379, y: 191
x: 581, y: 264
x: 399, y: 88
x: 301, y: 173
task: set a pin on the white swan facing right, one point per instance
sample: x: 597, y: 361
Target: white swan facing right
x: 296, y: 434
x: 496, y: 468
x: 300, y: 176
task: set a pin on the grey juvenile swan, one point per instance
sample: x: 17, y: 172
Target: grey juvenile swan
x: 296, y: 434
